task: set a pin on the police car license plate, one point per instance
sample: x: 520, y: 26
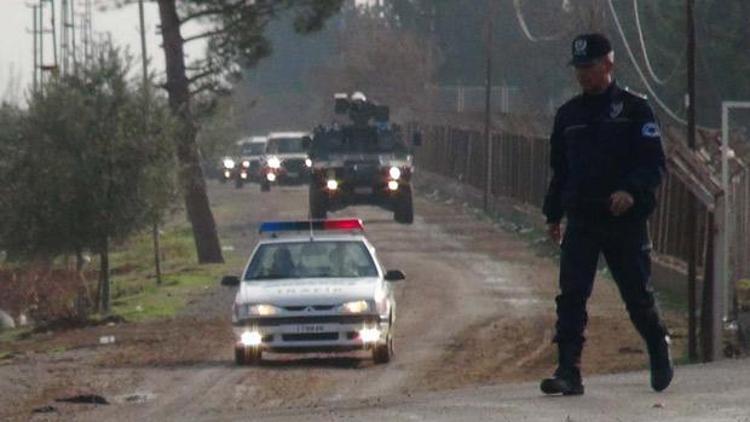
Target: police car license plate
x: 310, y: 328
x: 363, y: 190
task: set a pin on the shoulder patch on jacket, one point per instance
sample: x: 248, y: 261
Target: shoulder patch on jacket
x: 650, y: 130
x: 635, y: 93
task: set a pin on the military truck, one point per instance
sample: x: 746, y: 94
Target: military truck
x: 361, y: 163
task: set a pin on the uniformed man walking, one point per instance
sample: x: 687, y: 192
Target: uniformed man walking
x: 607, y: 161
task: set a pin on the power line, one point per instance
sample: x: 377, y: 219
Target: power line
x: 646, y: 59
x: 525, y: 28
x: 638, y: 70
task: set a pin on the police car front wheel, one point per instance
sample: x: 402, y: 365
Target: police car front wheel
x: 247, y: 355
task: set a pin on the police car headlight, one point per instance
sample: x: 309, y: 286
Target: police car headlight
x: 395, y: 173
x: 263, y: 310
x: 229, y: 163
x: 245, y: 311
x: 274, y: 162
x: 251, y: 338
x: 308, y: 162
x: 356, y: 307
x: 369, y: 335
x: 332, y: 184
x: 246, y: 164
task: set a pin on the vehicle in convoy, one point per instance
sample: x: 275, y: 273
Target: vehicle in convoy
x: 244, y: 166
x: 361, y: 163
x: 286, y: 160
x: 313, y: 286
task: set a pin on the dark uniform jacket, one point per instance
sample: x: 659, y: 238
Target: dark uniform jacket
x: 601, y: 144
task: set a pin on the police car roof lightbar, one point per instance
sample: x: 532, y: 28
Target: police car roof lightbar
x: 318, y: 225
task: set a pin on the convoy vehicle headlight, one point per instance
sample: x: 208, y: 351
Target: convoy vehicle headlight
x: 308, y: 162
x: 356, y: 307
x: 243, y: 175
x: 274, y: 162
x: 251, y: 338
x: 395, y: 173
x: 227, y: 174
x: 332, y: 184
x: 229, y: 163
x: 246, y: 164
x: 393, y: 185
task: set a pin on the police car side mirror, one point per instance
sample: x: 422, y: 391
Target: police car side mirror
x: 394, y: 275
x: 417, y: 139
x: 230, y: 280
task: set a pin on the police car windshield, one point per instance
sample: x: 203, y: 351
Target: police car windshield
x: 285, y: 146
x: 311, y: 259
x: 358, y: 140
x: 253, y: 149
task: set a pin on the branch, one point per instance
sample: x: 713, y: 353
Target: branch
x: 203, y: 14
x: 206, y: 34
x: 208, y: 72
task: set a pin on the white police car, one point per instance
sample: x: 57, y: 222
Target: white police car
x: 314, y: 286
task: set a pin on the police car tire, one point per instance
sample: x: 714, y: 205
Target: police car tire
x: 404, y: 209
x: 239, y: 356
x: 247, y: 356
x: 383, y: 353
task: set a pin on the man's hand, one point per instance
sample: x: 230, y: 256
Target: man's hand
x: 554, y: 232
x: 620, y: 202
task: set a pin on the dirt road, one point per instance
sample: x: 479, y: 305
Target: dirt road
x: 476, y: 308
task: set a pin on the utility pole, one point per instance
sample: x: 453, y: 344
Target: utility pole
x: 86, y: 32
x: 488, y: 106
x: 41, y: 45
x: 64, y: 36
x: 692, y: 208
x: 74, y: 52
x: 35, y: 52
x: 146, y: 99
x: 54, y: 32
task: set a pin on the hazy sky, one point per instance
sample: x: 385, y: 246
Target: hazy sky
x: 16, y: 43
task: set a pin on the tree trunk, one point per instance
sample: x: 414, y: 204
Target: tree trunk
x: 83, y: 302
x: 104, y: 293
x: 191, y: 174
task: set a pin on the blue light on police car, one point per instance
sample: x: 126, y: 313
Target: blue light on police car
x: 286, y: 226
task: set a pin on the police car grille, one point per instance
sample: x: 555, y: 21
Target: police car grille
x: 310, y: 337
x: 315, y: 307
x: 327, y: 319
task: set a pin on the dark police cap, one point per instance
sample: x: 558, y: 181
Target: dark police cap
x: 586, y: 48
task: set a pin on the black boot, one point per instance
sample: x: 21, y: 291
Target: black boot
x: 649, y: 324
x: 567, y: 377
x: 662, y: 369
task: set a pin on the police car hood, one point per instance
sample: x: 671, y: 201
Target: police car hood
x: 382, y: 159
x: 307, y: 291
